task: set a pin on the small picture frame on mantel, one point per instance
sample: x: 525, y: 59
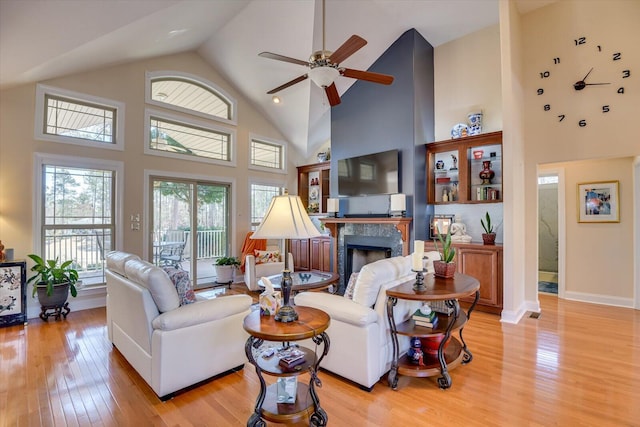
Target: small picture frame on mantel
x: 439, y: 223
x: 598, y: 201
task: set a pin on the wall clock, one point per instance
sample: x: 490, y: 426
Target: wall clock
x: 585, y: 83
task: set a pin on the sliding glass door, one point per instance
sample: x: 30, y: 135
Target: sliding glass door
x: 190, y: 226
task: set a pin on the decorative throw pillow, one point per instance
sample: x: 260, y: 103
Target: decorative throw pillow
x: 348, y: 293
x: 180, y: 279
x: 266, y: 256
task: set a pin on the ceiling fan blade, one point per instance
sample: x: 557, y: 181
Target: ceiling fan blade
x: 286, y: 85
x: 283, y: 58
x: 384, y: 79
x: 347, y: 49
x: 332, y: 94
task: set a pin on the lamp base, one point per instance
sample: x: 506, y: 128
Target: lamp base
x: 286, y: 313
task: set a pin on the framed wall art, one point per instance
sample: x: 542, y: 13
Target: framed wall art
x: 598, y: 201
x: 13, y: 296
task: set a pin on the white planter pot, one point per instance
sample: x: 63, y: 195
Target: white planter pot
x: 224, y: 273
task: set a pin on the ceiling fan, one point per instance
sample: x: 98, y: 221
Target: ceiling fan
x: 324, y: 66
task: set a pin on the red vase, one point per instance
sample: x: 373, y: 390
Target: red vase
x: 486, y: 174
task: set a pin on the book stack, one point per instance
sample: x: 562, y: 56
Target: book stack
x: 427, y: 320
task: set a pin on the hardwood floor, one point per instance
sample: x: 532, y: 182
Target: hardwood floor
x: 576, y: 365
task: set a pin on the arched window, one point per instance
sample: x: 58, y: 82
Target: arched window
x: 190, y: 94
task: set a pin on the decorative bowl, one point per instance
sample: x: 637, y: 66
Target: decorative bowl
x: 459, y: 130
x: 477, y: 154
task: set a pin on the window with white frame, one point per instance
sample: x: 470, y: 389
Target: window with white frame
x: 190, y: 94
x: 77, y: 213
x: 75, y: 118
x: 267, y: 154
x: 260, y: 199
x: 198, y: 140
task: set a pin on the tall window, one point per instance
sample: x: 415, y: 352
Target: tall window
x: 77, y: 216
x: 74, y: 118
x: 267, y: 154
x: 261, y: 195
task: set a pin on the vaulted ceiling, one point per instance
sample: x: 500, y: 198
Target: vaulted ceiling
x: 43, y: 39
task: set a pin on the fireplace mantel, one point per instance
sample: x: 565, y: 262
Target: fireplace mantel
x: 401, y: 224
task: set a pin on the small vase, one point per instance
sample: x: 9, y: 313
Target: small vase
x: 489, y: 239
x: 444, y: 269
x: 486, y: 174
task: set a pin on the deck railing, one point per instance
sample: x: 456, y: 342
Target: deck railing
x: 87, y: 249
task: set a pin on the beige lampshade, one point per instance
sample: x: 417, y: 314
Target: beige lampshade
x: 333, y: 205
x: 286, y: 218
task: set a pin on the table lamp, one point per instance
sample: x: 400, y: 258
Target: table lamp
x: 286, y: 218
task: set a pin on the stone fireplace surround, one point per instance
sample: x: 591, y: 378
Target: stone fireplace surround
x: 386, y: 236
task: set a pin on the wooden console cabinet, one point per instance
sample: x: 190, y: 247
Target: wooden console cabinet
x: 320, y: 253
x: 484, y: 262
x: 311, y: 254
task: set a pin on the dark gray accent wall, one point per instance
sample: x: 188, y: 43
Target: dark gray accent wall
x: 374, y: 118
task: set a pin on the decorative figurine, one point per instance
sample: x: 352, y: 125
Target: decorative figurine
x: 455, y: 163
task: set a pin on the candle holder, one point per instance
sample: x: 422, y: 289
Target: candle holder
x: 419, y: 284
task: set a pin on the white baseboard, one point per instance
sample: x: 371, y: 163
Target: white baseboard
x: 599, y: 299
x: 513, y: 316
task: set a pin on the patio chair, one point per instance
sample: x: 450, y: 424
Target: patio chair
x: 172, y: 253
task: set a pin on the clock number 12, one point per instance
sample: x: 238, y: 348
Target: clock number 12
x: 580, y: 40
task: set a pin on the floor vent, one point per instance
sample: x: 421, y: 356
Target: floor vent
x: 534, y: 315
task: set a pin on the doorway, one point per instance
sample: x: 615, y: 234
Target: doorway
x: 189, y: 226
x: 551, y: 230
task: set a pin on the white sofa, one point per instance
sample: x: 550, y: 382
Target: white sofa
x: 169, y: 345
x: 253, y: 272
x: 361, y: 348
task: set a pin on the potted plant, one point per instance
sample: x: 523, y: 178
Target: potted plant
x: 53, y: 281
x: 225, y: 267
x: 445, y: 267
x: 488, y: 237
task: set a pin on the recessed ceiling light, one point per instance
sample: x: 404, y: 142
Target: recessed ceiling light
x: 275, y: 99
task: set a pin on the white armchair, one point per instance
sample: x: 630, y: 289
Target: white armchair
x: 361, y: 347
x: 254, y: 271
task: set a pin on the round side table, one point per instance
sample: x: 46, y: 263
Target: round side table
x: 311, y: 323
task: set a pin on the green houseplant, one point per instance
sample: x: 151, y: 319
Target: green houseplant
x: 445, y: 267
x: 225, y: 268
x: 53, y: 281
x: 488, y: 237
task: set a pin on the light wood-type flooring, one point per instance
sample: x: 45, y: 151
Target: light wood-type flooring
x: 576, y: 365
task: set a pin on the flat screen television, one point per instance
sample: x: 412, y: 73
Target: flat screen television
x: 376, y: 173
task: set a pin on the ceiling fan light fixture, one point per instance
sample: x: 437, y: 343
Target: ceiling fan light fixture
x: 323, y: 76
x: 276, y: 99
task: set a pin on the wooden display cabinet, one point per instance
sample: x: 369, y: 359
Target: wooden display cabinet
x: 454, y: 167
x: 313, y: 187
x: 484, y: 262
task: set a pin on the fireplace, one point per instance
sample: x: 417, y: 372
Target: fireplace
x: 361, y: 250
x: 359, y: 241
